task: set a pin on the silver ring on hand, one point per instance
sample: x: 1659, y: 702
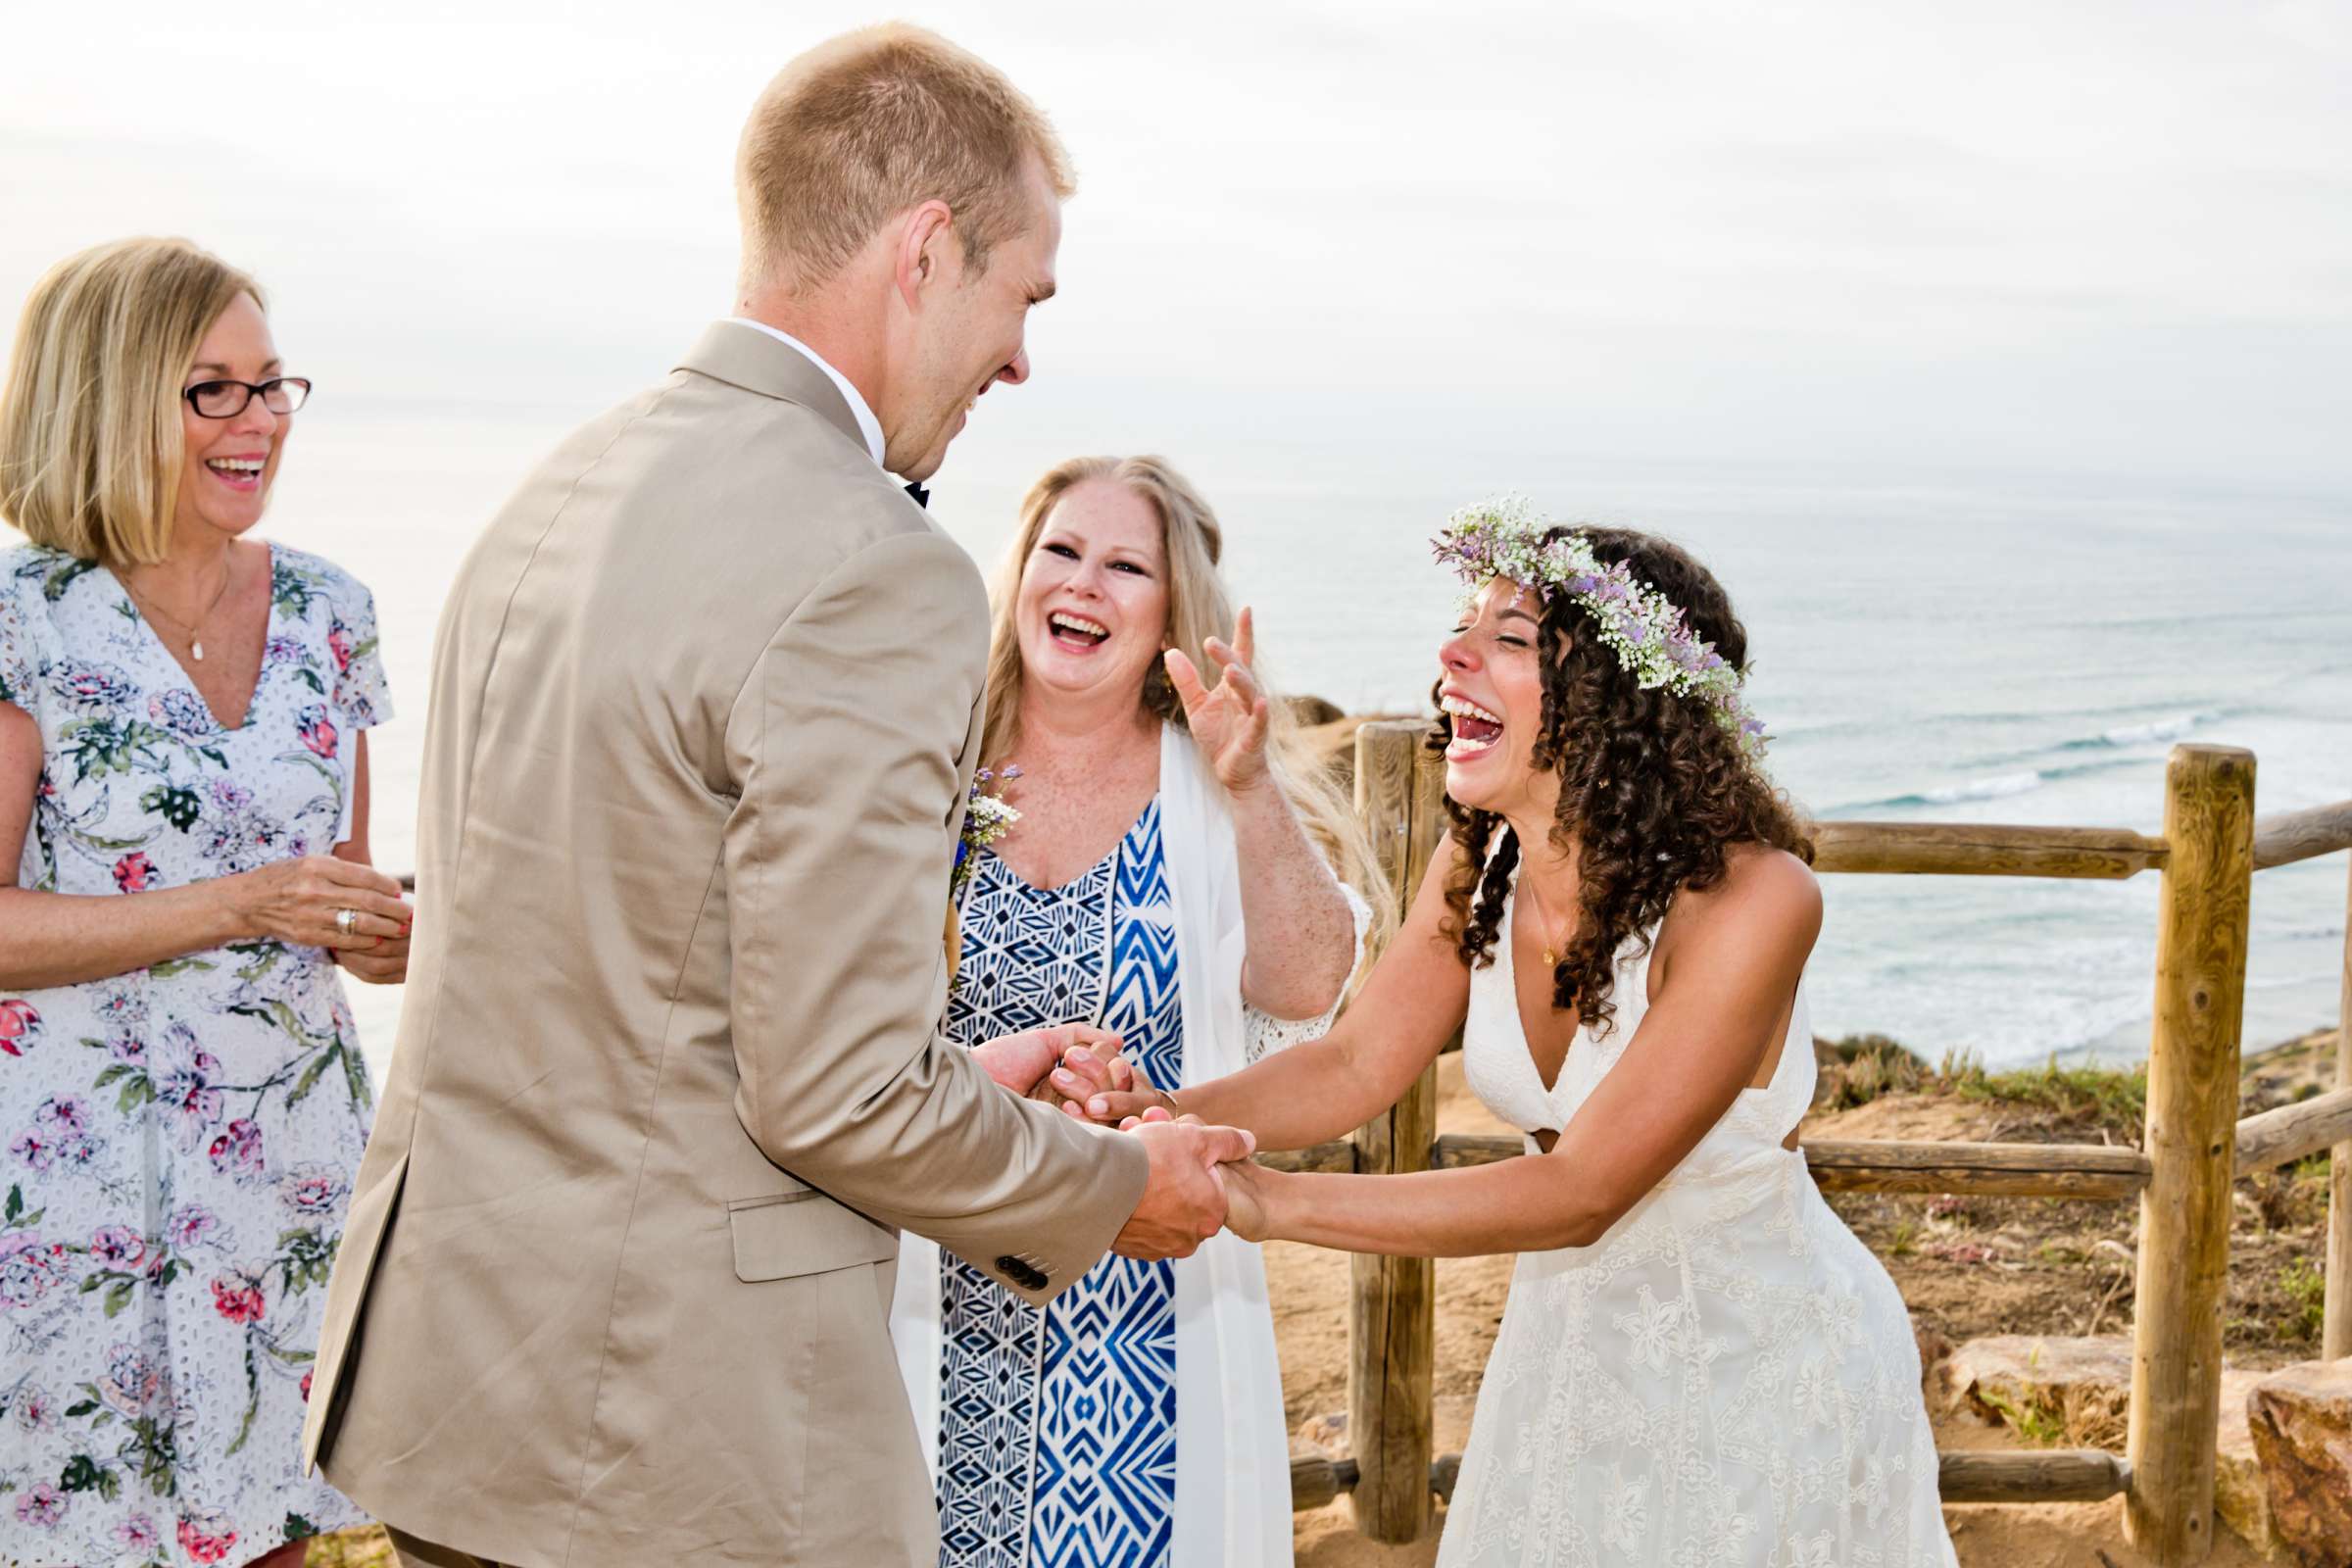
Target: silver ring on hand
x: 346, y: 922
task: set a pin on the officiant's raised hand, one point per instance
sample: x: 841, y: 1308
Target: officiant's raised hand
x: 1228, y: 720
x: 1184, y: 1196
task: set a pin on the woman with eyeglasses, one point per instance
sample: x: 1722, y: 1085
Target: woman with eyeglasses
x: 183, y: 794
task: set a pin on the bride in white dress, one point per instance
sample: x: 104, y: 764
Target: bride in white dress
x: 1699, y: 1364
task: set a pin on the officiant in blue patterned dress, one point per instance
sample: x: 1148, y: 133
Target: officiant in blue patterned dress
x: 1171, y: 878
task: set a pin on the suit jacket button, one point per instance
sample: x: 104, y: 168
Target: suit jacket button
x: 1021, y: 1272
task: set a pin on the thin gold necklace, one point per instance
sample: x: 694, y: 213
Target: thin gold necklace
x: 1552, y: 947
x: 194, y: 634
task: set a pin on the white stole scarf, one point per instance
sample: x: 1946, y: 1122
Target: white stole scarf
x: 1233, y: 1465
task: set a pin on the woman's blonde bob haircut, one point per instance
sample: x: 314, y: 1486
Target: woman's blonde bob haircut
x: 1198, y: 608
x: 90, y: 431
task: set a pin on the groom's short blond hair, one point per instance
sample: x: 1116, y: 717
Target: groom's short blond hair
x: 869, y: 125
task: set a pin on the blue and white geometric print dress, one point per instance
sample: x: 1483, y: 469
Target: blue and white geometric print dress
x: 1058, y: 1425
x: 177, y: 1143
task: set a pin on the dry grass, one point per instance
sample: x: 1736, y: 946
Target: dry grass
x: 1976, y: 1266
x: 351, y: 1549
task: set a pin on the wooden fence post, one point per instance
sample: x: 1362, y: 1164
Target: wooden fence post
x: 1391, y: 1325
x: 2336, y: 1331
x: 2192, y: 1133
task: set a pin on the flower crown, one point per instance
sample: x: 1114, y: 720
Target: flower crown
x: 1507, y: 538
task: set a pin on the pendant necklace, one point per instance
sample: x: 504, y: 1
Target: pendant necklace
x: 1552, y: 948
x: 192, y: 633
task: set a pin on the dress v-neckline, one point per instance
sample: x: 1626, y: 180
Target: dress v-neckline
x: 1068, y: 883
x: 155, y: 639
x: 1510, y: 965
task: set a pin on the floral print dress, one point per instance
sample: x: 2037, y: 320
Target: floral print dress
x: 176, y: 1144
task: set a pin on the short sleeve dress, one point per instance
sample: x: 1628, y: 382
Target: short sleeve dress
x: 177, y: 1143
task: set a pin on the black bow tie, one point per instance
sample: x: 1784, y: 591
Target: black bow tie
x: 922, y: 497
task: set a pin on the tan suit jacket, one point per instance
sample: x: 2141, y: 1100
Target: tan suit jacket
x: 612, y: 1291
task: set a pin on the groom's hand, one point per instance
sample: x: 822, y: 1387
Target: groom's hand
x: 1020, y: 1063
x: 1183, y: 1198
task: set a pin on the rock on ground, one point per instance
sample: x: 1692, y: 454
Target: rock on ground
x: 2056, y: 1390
x: 2241, y: 1497
x: 2301, y: 1421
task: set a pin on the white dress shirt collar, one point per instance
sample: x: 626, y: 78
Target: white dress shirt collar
x: 867, y: 425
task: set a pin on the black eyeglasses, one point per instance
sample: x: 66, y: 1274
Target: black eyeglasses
x: 225, y: 400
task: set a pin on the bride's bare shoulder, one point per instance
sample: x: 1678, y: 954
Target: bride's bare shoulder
x: 1760, y: 883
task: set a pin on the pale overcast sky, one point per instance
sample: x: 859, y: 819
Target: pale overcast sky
x: 2097, y: 239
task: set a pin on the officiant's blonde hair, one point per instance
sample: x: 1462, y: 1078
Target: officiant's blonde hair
x: 91, y: 438
x: 873, y: 123
x: 1192, y: 541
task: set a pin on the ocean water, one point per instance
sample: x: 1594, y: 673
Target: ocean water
x: 1927, y: 649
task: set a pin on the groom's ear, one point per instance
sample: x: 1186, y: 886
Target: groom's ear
x: 923, y: 250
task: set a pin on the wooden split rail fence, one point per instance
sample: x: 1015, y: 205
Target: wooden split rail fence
x: 2194, y: 1147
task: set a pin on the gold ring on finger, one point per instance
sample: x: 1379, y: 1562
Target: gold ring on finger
x: 346, y: 922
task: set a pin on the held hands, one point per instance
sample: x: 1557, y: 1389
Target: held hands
x: 1199, y: 1179
x: 1021, y: 1063
x: 1107, y: 1087
x: 298, y: 901
x: 1112, y: 1091
x: 1229, y: 722
x: 1185, y: 1198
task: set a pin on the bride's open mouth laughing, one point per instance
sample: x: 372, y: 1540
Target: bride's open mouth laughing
x: 1476, y: 731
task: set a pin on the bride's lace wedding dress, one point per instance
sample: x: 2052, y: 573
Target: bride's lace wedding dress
x: 1727, y: 1379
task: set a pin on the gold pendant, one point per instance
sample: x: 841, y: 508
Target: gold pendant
x: 1551, y: 960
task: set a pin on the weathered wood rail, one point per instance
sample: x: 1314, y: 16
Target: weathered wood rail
x: 2057, y: 1475
x: 2193, y: 1149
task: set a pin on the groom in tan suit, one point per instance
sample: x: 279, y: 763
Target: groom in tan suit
x: 706, y: 701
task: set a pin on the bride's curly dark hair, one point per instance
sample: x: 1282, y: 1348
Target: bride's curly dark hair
x: 1654, y: 789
